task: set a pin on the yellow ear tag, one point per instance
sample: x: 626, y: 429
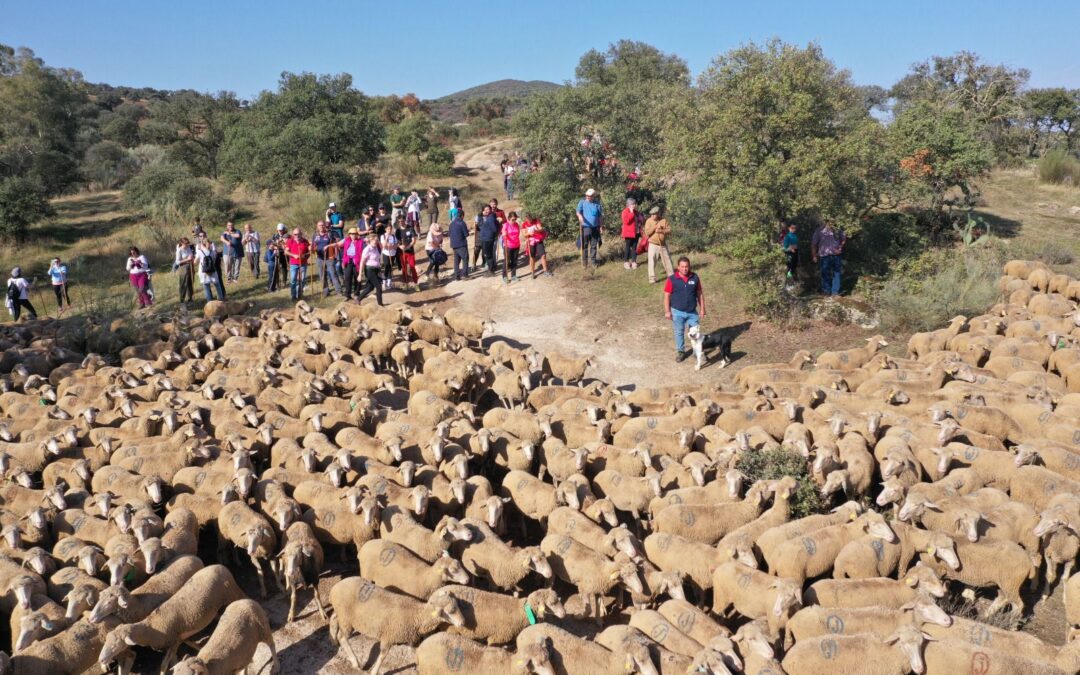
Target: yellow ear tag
x: 614, y: 576
x: 434, y: 615
x: 930, y: 550
x: 910, y: 582
x: 852, y: 516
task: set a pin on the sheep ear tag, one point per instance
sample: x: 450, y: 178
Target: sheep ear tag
x: 529, y: 615
x: 929, y: 550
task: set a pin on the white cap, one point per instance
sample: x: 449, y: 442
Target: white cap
x: 281, y: 226
x: 333, y: 205
x: 590, y: 192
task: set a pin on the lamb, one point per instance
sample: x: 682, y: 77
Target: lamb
x: 182, y: 615
x: 231, y: 647
x: 395, y: 567
x: 301, y: 562
x: 859, y: 654
x: 814, y: 553
x: 851, y: 359
x: 388, y: 617
x: 484, y: 554
x: 241, y: 526
x: 594, y: 574
x: 496, y: 618
x: 577, y: 656
x: 709, y: 523
x: 443, y: 651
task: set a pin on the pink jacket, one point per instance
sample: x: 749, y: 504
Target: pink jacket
x: 357, y: 248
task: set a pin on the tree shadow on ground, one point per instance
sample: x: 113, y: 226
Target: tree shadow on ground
x: 1006, y: 228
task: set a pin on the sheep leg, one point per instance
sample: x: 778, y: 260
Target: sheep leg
x: 125, y: 663
x: 318, y: 602
x: 170, y: 657
x: 292, y: 604
x: 262, y: 579
x: 378, y: 661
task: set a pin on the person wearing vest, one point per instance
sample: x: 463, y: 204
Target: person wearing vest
x: 684, y: 303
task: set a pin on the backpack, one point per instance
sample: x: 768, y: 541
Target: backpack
x: 209, y: 263
x: 13, y: 291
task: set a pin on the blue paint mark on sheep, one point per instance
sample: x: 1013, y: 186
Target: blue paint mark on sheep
x: 810, y: 545
x: 834, y: 624
x: 829, y: 649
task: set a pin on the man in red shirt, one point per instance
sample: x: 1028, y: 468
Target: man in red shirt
x: 297, y: 250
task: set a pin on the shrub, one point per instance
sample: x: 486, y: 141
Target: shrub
x: 552, y: 194
x: 1059, y: 166
x: 166, y: 191
x: 925, y: 292
x: 108, y: 165
x: 22, y: 201
x: 439, y: 162
x: 775, y: 464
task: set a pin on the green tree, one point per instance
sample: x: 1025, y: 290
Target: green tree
x: 121, y: 129
x: 22, y: 202
x: 631, y: 63
x: 194, y: 125
x: 308, y: 130
x: 1049, y: 112
x: 411, y: 136
x: 107, y: 165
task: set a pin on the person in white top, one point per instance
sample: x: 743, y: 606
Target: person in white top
x: 389, y: 245
x: 208, y: 265
x: 138, y: 269
x: 435, y: 253
x: 412, y: 209
x: 251, y: 249
x: 18, y: 295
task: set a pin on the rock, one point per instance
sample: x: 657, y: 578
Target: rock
x: 843, y: 310
x: 1074, y: 210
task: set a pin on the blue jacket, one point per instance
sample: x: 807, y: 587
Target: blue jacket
x: 459, y: 233
x: 489, y: 228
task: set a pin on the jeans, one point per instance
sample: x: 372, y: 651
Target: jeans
x: 630, y: 250
x: 328, y: 272
x: 830, y: 274
x: 297, y: 279
x: 461, y: 262
x: 590, y: 245
x: 208, y: 291
x: 372, y: 283
x: 220, y: 285
x: 680, y: 321
x: 254, y: 261
x: 351, y: 281
x: 488, y: 248
x: 792, y: 262
x: 658, y: 251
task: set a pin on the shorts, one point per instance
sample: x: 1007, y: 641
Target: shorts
x: 537, y: 250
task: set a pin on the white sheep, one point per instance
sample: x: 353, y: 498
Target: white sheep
x: 898, y: 654
x: 577, y: 656
x: 496, y: 618
x: 594, y: 574
x: 231, y: 647
x: 445, y: 652
x: 242, y: 527
x: 395, y: 567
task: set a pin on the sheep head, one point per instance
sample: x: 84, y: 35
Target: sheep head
x: 83, y: 597
x: 451, y: 529
x: 285, y: 511
x: 450, y: 569
x: 626, y: 572
x: 623, y: 541
x: 603, y: 510
x: 637, y: 658
x: 151, y: 551
x: 444, y: 608
x: 420, y: 497
x: 260, y: 538
x: 836, y: 481
x: 967, y: 521
x: 910, y: 641
x: 32, y: 627
x: 923, y: 610
x: 118, y: 565
x: 110, y: 601
x: 532, y: 558
x: 922, y: 577
x: 546, y: 600
x: 55, y: 497
x: 873, y: 523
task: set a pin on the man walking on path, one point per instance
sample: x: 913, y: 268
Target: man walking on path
x: 825, y: 248
x: 684, y: 303
x: 297, y: 249
x: 488, y: 234
x: 232, y: 251
x: 591, y: 216
x: 657, y: 230
x: 459, y: 242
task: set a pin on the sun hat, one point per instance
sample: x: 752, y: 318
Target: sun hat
x: 590, y: 192
x: 654, y: 210
x: 353, y: 230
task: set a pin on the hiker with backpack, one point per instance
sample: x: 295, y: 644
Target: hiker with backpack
x: 58, y: 272
x: 18, y: 295
x: 138, y: 269
x: 207, y: 262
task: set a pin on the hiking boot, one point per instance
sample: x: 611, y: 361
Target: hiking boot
x: 680, y: 357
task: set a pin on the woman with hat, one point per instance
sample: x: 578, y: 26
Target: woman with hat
x: 18, y: 295
x: 58, y: 272
x: 351, y: 250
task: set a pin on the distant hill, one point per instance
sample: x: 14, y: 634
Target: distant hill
x: 450, y: 108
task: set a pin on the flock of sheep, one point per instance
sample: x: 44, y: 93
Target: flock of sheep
x: 503, y: 516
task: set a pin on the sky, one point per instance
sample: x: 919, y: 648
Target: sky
x: 436, y: 48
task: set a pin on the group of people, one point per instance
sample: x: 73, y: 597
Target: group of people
x: 18, y: 290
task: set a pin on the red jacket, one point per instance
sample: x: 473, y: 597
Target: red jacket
x: 631, y: 223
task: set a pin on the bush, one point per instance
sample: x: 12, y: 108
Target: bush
x: 1059, y: 166
x: 775, y: 464
x: 552, y: 194
x: 108, y: 165
x: 166, y: 191
x: 925, y: 292
x: 439, y: 162
x: 22, y: 201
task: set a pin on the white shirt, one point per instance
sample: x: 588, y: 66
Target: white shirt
x: 251, y: 242
x: 137, y: 265
x: 200, y: 253
x: 23, y: 285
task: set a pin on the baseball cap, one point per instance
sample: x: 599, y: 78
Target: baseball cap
x: 333, y: 205
x: 281, y: 226
x: 590, y: 192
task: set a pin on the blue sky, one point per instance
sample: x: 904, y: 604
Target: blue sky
x: 436, y: 48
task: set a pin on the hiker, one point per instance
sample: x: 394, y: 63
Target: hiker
x: 277, y: 269
x: 297, y: 250
x: 791, y: 249
x: 508, y: 179
x: 478, y: 250
x: 138, y: 269
x: 656, y: 232
x: 197, y: 229
x: 435, y: 254
x: 684, y: 303
x: 325, y: 244
x: 397, y: 203
x: 590, y: 216
x: 232, y: 252
x: 488, y: 232
x: 382, y: 222
x: 413, y: 203
x: 251, y: 249
x: 18, y: 295
x: 388, y: 245
x: 459, y: 243
x: 454, y: 203
x: 183, y: 264
x: 499, y: 213
x: 535, y: 234
x: 511, y: 238
x: 335, y: 221
x: 58, y: 272
x: 432, y: 199
x: 351, y: 250
x: 631, y: 230
x: 366, y: 223
x: 207, y: 262
x: 371, y: 260
x: 407, y: 236
x: 825, y: 248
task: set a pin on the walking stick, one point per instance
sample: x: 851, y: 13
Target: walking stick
x: 506, y: 263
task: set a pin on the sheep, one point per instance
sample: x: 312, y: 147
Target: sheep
x: 656, y: 626
x: 241, y: 526
x: 815, y: 621
x: 986, y: 635
x: 128, y: 485
x: 390, y: 618
x: 485, y: 555
x: 400, y: 527
x: 898, y: 654
x: 395, y: 567
x: 922, y: 344
x: 728, y: 490
x: 1002, y: 564
x: 132, y: 606
x: 814, y: 553
x: 691, y: 560
x: 695, y: 623
x: 754, y: 594
x: 496, y: 618
x: 444, y: 651
x: 628, y: 494
x: 533, y: 498
x: 566, y: 369
x: 231, y: 647
x: 709, y: 523
x: 467, y: 324
x: 73, y: 650
x: 851, y: 359
x: 593, y: 573
x: 869, y: 556
x: 1022, y: 269
x: 577, y: 656
x: 185, y: 613
x: 1036, y: 486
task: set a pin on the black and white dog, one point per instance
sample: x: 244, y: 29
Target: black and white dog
x: 701, y: 342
